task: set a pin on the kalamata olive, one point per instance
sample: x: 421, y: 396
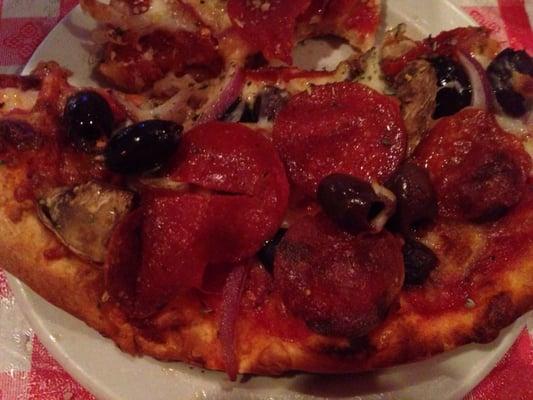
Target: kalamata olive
x: 416, y: 201
x: 142, y: 147
x: 349, y: 201
x: 419, y: 260
x: 455, y: 90
x: 267, y: 253
x: 500, y: 73
x: 271, y: 101
x: 87, y: 116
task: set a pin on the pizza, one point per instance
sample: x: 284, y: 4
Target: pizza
x: 216, y: 204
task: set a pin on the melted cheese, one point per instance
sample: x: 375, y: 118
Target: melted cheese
x: 213, y: 13
x: 520, y: 128
x: 11, y: 99
x: 170, y: 15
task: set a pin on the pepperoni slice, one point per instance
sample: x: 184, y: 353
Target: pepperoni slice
x: 156, y: 250
x: 268, y: 25
x: 182, y: 52
x: 123, y: 260
x: 342, y: 127
x: 478, y: 170
x: 174, y: 252
x: 229, y: 158
x: 237, y: 200
x: 339, y: 284
x: 248, y: 183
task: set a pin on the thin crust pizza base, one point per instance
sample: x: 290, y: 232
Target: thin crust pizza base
x: 183, y: 331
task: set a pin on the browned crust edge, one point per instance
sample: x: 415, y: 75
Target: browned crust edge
x: 190, y: 335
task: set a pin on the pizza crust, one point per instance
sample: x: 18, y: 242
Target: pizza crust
x: 184, y: 331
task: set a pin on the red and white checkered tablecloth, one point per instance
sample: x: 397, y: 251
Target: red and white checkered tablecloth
x: 28, y: 372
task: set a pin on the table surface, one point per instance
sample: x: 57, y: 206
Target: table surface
x: 27, y: 371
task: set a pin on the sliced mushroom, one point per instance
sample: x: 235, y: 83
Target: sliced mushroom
x: 83, y: 217
x: 416, y: 87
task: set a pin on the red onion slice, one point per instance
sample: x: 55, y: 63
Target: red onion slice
x: 482, y: 96
x: 219, y: 96
x: 223, y: 95
x: 231, y: 299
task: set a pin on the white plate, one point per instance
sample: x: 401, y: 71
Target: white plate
x: 111, y: 375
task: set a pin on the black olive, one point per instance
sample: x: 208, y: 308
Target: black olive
x: 250, y: 114
x: 500, y: 73
x: 455, y: 89
x: 271, y: 102
x: 87, y: 116
x: 416, y: 201
x: 267, y: 253
x: 142, y: 147
x: 419, y: 261
x: 349, y: 201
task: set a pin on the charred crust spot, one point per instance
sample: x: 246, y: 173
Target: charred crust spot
x: 499, y: 313
x: 153, y: 334
x: 330, y: 327
x: 357, y: 348
x: 19, y: 135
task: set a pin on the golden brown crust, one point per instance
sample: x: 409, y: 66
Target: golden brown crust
x: 185, y: 331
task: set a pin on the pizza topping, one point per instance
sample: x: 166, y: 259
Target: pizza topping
x: 174, y: 248
x: 140, y: 62
x: 260, y: 108
x: 232, y: 159
x: 232, y: 196
x: 419, y: 261
x: 268, y: 251
x: 508, y: 74
x: 142, y: 147
x: 19, y: 135
x: 248, y: 182
x: 268, y: 25
x: 229, y: 312
x: 340, y: 284
x: 354, y: 204
x: 13, y: 99
x: 123, y: 260
x: 455, y: 90
x: 330, y: 130
x: 416, y: 201
x: 230, y: 88
x: 416, y: 88
x: 478, y: 170
x: 162, y: 14
x: 88, y: 117
x: 482, y: 96
x: 84, y: 216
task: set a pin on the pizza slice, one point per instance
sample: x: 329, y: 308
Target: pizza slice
x: 325, y: 239
x: 185, y: 60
